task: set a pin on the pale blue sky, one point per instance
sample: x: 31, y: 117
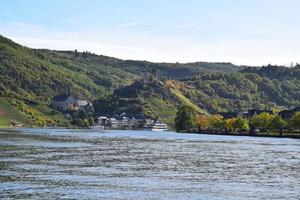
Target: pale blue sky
x: 253, y: 32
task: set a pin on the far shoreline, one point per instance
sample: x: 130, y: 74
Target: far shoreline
x: 181, y: 132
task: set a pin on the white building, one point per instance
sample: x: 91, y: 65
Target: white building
x: 82, y: 103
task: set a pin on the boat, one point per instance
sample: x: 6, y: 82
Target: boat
x: 159, y: 126
x: 98, y: 127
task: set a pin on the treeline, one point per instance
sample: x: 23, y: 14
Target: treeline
x: 275, y: 72
x: 188, y: 120
x: 252, y: 88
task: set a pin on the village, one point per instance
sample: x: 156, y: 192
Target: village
x: 68, y: 104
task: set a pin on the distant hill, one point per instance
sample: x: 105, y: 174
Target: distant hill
x: 40, y: 74
x: 29, y: 78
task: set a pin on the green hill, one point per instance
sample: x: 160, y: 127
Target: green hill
x: 40, y: 74
x: 29, y: 78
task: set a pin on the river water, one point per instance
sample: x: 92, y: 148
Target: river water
x: 85, y: 164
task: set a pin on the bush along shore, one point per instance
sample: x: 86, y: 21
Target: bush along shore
x: 266, y: 124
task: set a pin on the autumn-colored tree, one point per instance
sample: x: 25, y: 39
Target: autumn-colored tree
x: 230, y: 124
x: 202, y: 122
x: 215, y: 122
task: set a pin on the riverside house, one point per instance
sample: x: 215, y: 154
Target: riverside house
x: 69, y: 103
x: 123, y: 121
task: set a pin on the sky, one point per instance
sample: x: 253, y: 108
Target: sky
x: 244, y: 32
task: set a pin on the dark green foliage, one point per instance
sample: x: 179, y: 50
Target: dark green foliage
x: 275, y: 72
x: 295, y: 121
x: 185, y: 119
x: 278, y: 124
x: 82, y: 119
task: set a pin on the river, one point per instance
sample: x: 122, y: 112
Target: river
x: 86, y: 164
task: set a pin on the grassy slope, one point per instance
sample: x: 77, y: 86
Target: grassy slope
x: 165, y: 110
x: 175, y: 87
x: 186, y: 100
x: 9, y: 113
x: 30, y: 115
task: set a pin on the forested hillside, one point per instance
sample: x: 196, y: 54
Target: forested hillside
x: 29, y: 78
x: 251, y: 88
x: 40, y: 74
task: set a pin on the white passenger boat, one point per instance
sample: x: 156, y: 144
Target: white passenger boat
x: 159, y: 126
x: 98, y: 127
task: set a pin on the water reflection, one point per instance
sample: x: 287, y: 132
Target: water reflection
x: 76, y: 164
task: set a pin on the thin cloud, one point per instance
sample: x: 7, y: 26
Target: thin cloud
x: 126, y: 25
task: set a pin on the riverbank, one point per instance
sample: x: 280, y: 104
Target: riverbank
x: 270, y: 134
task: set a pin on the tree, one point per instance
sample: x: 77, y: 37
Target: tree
x: 185, y: 118
x: 295, y: 121
x: 279, y: 124
x: 241, y: 124
x: 76, y: 53
x: 262, y: 121
x: 229, y: 124
x: 215, y: 122
x: 202, y: 122
x: 82, y: 118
